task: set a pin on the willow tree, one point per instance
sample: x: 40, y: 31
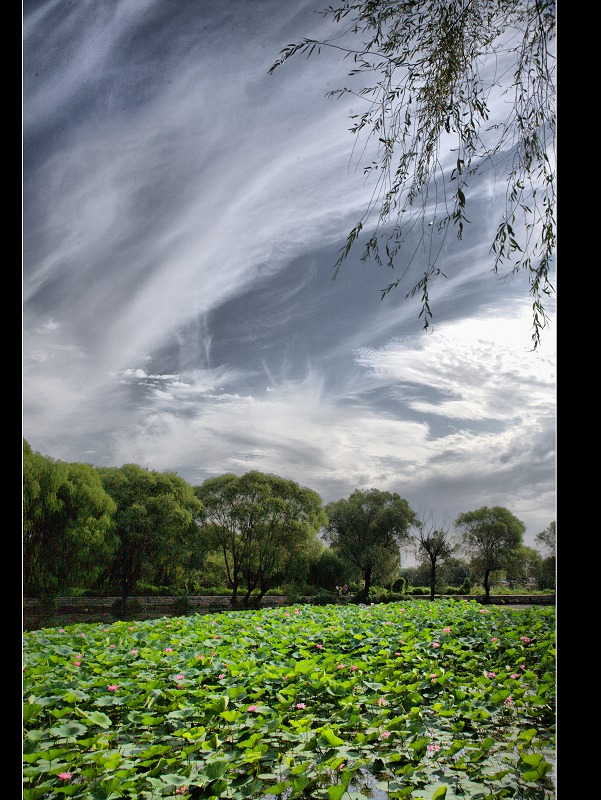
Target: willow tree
x: 492, y: 536
x: 265, y: 527
x: 435, y: 69
x: 67, y: 520
x: 367, y: 531
x: 157, y: 524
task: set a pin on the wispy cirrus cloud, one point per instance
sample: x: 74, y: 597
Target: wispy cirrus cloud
x: 183, y: 211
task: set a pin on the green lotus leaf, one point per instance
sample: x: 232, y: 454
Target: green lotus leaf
x: 68, y: 730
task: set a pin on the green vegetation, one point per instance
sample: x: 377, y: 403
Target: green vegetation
x: 423, y: 701
x: 128, y: 531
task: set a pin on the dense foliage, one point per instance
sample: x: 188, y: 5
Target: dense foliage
x: 155, y: 521
x: 367, y: 531
x: 428, y: 700
x: 126, y: 531
x: 67, y: 519
x: 492, y: 536
x: 264, y: 526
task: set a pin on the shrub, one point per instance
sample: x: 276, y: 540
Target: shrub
x: 325, y: 597
x: 400, y: 585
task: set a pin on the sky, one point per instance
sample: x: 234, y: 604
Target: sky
x: 183, y: 210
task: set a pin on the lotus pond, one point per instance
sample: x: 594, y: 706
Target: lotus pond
x: 422, y: 700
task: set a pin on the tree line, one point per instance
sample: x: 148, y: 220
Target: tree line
x: 126, y: 530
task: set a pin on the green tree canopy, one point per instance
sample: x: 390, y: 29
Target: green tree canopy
x: 67, y: 539
x: 265, y: 526
x: 523, y: 565
x: 492, y: 536
x: 329, y: 571
x: 156, y: 520
x: 367, y: 531
x: 434, y: 70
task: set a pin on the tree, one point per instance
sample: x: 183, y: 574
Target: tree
x: 548, y: 538
x: 284, y: 542
x: 548, y: 568
x: 264, y: 525
x: 491, y: 536
x: 524, y: 564
x: 367, y: 530
x: 328, y: 571
x: 457, y: 572
x: 439, y: 66
x: 433, y: 542
x: 67, y: 517
x: 156, y: 521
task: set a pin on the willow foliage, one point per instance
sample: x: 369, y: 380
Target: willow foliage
x: 435, y: 68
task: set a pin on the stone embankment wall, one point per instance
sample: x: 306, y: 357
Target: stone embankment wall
x: 73, y: 605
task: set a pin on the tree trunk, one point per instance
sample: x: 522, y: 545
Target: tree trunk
x: 234, y: 597
x: 486, y: 585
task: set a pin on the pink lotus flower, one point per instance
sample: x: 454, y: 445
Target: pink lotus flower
x: 491, y: 674
x: 381, y: 701
x: 515, y: 676
x: 433, y: 748
x: 133, y: 652
x: 525, y: 639
x: 509, y: 700
x: 446, y: 630
x: 435, y: 644
x: 301, y: 705
x: 340, y: 666
x: 221, y: 675
x: 494, y: 639
x: 253, y: 708
x: 482, y: 611
x: 112, y: 687
x: 65, y: 776
x: 181, y: 789
x: 354, y: 667
x: 384, y: 734
x: 169, y: 649
x: 319, y: 646
x: 179, y: 677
